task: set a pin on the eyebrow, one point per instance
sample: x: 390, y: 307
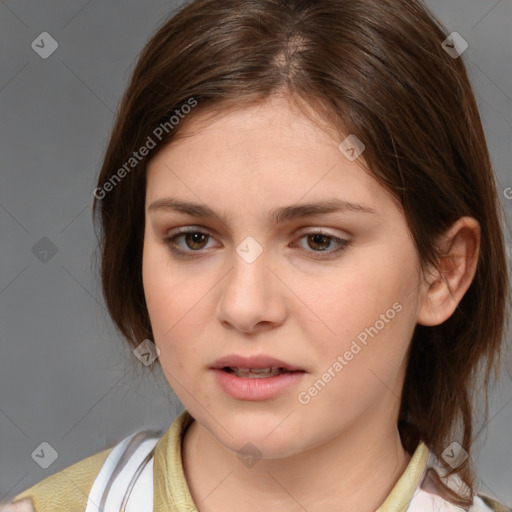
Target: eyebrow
x: 282, y: 214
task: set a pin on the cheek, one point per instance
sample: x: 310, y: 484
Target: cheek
x: 367, y: 316
x: 159, y: 297
x: 167, y: 292
x: 164, y: 298
x: 358, y: 297
x: 176, y: 303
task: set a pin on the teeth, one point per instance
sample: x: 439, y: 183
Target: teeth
x: 268, y: 369
x: 257, y: 372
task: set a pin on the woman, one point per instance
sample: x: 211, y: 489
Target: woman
x: 300, y: 226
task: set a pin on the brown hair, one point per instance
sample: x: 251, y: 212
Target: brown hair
x: 375, y: 69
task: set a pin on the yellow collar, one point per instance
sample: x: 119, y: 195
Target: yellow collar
x: 171, y: 492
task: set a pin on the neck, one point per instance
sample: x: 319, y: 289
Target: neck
x: 354, y: 471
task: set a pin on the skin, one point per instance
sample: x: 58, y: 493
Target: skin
x: 290, y: 305
x: 20, y: 506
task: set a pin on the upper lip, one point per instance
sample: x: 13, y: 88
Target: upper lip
x: 257, y: 361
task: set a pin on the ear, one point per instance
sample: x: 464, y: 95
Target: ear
x: 444, y: 288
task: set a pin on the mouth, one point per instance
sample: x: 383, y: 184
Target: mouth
x: 254, y: 366
x: 258, y: 373
x: 255, y: 377
x: 256, y: 383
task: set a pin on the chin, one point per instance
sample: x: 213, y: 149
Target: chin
x: 265, y: 430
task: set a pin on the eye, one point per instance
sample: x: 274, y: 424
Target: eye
x: 196, y: 240
x: 320, y: 242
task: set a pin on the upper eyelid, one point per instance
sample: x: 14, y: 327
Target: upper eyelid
x: 172, y: 235
x: 318, y: 256
x: 209, y: 231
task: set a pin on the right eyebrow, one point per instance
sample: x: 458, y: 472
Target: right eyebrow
x: 281, y: 214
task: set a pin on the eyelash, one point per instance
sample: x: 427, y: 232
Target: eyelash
x: 170, y: 243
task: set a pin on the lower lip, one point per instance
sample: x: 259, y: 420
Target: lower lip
x: 247, y: 388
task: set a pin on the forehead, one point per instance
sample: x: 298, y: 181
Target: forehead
x: 265, y: 153
x: 278, y: 126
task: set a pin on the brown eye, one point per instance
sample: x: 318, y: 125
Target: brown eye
x: 319, y: 241
x: 318, y: 245
x: 195, y: 240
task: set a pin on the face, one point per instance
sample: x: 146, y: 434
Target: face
x: 334, y: 294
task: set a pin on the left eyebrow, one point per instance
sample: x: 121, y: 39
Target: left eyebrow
x: 282, y: 214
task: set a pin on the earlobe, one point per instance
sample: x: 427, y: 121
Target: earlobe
x: 447, y: 284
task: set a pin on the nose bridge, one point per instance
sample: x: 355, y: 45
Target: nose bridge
x: 250, y: 268
x: 247, y: 295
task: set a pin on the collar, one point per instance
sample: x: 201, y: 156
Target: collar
x: 171, y: 492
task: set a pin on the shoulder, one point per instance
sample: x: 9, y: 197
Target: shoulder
x: 69, y: 490
x: 441, y: 490
x: 485, y: 503
x: 66, y: 490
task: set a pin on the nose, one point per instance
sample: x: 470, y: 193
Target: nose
x: 252, y: 297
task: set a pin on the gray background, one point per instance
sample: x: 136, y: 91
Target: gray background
x: 65, y: 376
